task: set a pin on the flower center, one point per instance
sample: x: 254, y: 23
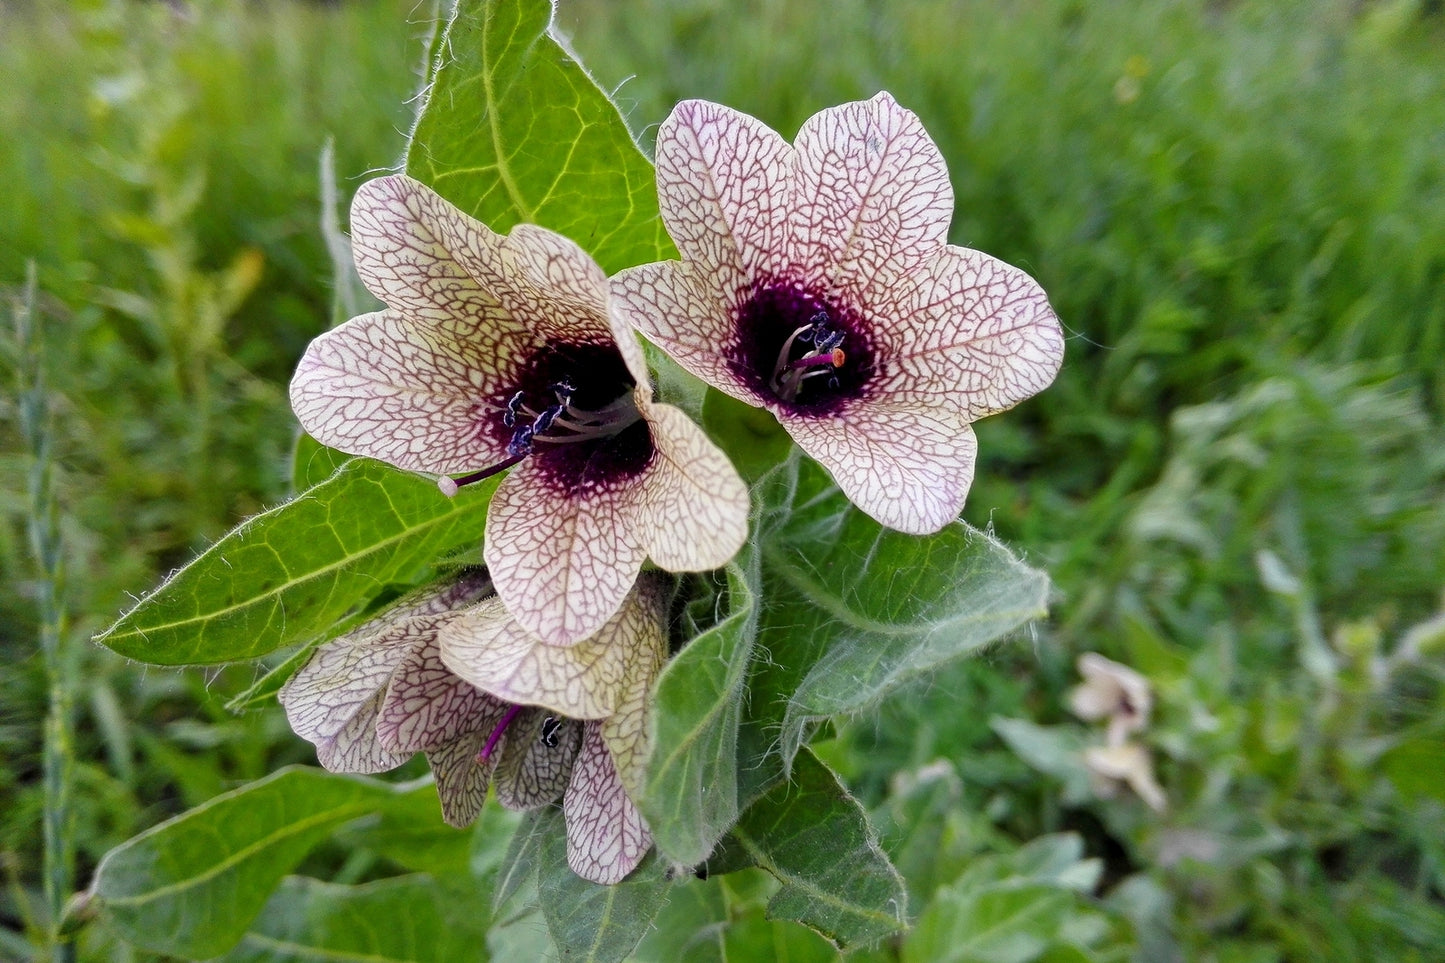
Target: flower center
x: 573, y: 409
x: 801, y: 350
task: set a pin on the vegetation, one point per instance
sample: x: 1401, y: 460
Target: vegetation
x: 1237, y: 484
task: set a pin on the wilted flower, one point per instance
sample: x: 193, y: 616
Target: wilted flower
x: 1114, y: 692
x: 815, y: 282
x: 370, y: 699
x: 1127, y: 763
x: 500, y: 352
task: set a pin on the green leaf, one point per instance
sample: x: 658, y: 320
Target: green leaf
x: 288, y: 574
x: 312, y: 463
x: 988, y: 926
x: 262, y: 693
x: 691, y: 799
x: 1056, y: 751
x: 752, y: 438
x: 191, y: 886
x: 589, y: 923
x: 519, y: 865
x: 410, y: 832
x: 514, y: 130
x: 407, y: 919
x: 854, y: 610
x: 815, y: 838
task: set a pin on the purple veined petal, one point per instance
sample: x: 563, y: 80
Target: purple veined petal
x: 333, y: 700
x: 561, y: 563
x: 354, y: 747
x: 402, y: 237
x: 873, y: 198
x: 678, y: 306
x: 967, y: 331
x: 534, y: 760
x: 691, y: 512
x: 491, y: 651
x: 426, y: 704
x: 554, y: 286
x: 626, y: 732
x: 461, y: 780
x: 410, y: 395
x: 606, y: 835
x: 908, y: 468
x: 724, y: 185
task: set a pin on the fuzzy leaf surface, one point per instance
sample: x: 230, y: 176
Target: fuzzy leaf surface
x: 514, y: 130
x: 406, y: 919
x: 288, y: 574
x: 814, y: 837
x: 854, y: 610
x: 191, y: 886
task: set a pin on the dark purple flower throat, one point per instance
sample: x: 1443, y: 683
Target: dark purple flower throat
x: 572, y: 409
x: 806, y: 353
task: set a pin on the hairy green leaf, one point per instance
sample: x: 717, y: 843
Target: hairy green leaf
x: 589, y: 923
x: 192, y: 885
x: 814, y: 837
x: 514, y: 130
x: 288, y: 574
x: 691, y: 799
x: 406, y: 919
x: 853, y: 610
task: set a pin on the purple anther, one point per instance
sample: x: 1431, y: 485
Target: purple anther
x: 545, y: 419
x: 550, y: 727
x: 830, y: 341
x: 509, y: 417
x: 563, y: 389
x: 521, y: 443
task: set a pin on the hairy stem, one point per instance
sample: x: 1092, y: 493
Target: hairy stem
x: 44, y: 533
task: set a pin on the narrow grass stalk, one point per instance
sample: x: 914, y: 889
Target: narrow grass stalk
x: 44, y: 532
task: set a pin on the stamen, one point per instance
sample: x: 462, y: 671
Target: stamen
x: 835, y: 357
x: 449, y: 485
x: 550, y: 727
x: 486, y: 754
x: 514, y: 404
x: 545, y: 419
x: 521, y: 444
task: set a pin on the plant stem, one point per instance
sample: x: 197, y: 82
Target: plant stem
x: 44, y: 532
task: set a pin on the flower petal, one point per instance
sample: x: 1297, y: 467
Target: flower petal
x: 530, y: 772
x: 625, y: 731
x: 606, y: 835
x: 486, y: 647
x: 355, y: 748
x: 461, y: 780
x: 723, y: 182
x: 908, y: 468
x: 966, y: 331
x: 334, y: 699
x: 426, y: 705
x: 562, y: 565
x: 677, y: 305
x: 873, y: 199
x: 403, y: 237
x: 411, y: 395
x: 691, y: 509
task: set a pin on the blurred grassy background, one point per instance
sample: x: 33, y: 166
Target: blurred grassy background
x: 1238, y: 481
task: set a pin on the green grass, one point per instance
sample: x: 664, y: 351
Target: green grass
x: 1238, y: 483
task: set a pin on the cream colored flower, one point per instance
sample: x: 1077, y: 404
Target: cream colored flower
x: 1114, y: 692
x: 561, y: 722
x: 815, y: 282
x: 1125, y: 764
x: 504, y: 352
